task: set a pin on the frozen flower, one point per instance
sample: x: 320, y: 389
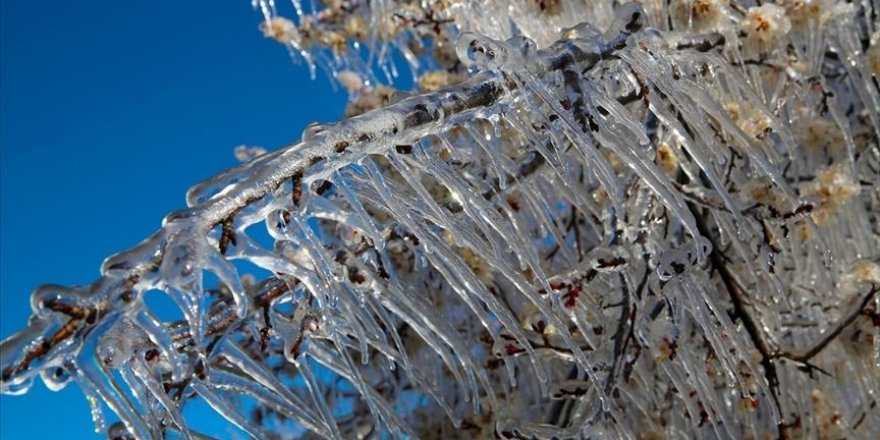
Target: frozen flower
x: 356, y: 26
x: 352, y: 81
x: 816, y: 133
x: 763, y: 28
x: 434, y: 80
x: 667, y: 159
x: 479, y: 266
x: 550, y: 7
x: 334, y: 40
x: 762, y: 191
x: 244, y: 153
x: 833, y: 187
x: 749, y: 118
x: 864, y: 271
x: 697, y: 15
x: 279, y: 29
x: 807, y: 14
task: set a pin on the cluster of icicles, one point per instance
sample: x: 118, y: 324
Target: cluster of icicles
x: 579, y: 241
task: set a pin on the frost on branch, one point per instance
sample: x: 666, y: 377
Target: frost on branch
x: 587, y: 224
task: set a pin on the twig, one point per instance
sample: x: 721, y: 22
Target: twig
x: 829, y: 335
x: 620, y: 333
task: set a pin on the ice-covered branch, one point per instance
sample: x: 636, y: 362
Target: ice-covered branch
x: 331, y: 148
x: 615, y: 235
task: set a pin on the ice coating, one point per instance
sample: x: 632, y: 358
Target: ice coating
x: 587, y: 228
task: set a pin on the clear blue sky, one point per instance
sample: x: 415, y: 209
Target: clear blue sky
x: 109, y: 111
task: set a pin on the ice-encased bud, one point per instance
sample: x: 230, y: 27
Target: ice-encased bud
x: 348, y: 235
x: 702, y: 249
x: 608, y: 260
x: 304, y: 324
x: 118, y: 431
x: 278, y: 224
x: 118, y: 344
x: 55, y: 379
x: 674, y: 262
x: 480, y: 52
x: 181, y: 264
x: 114, y: 352
x: 629, y: 18
x: 180, y: 260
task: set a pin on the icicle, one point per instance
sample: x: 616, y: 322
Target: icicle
x: 95, y: 408
x: 360, y: 213
x: 180, y: 269
x: 470, y: 283
x: 158, y: 392
x: 375, y: 401
x: 265, y: 385
x: 317, y: 397
x: 225, y: 409
x: 427, y: 320
x: 234, y: 355
x: 231, y: 382
x: 582, y: 140
x: 705, y: 395
x: 228, y: 275
x: 97, y: 382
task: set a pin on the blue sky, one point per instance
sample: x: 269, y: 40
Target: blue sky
x: 109, y: 111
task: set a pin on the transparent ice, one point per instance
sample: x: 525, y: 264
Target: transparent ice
x: 596, y: 220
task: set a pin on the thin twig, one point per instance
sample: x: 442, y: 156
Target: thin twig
x: 829, y: 335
